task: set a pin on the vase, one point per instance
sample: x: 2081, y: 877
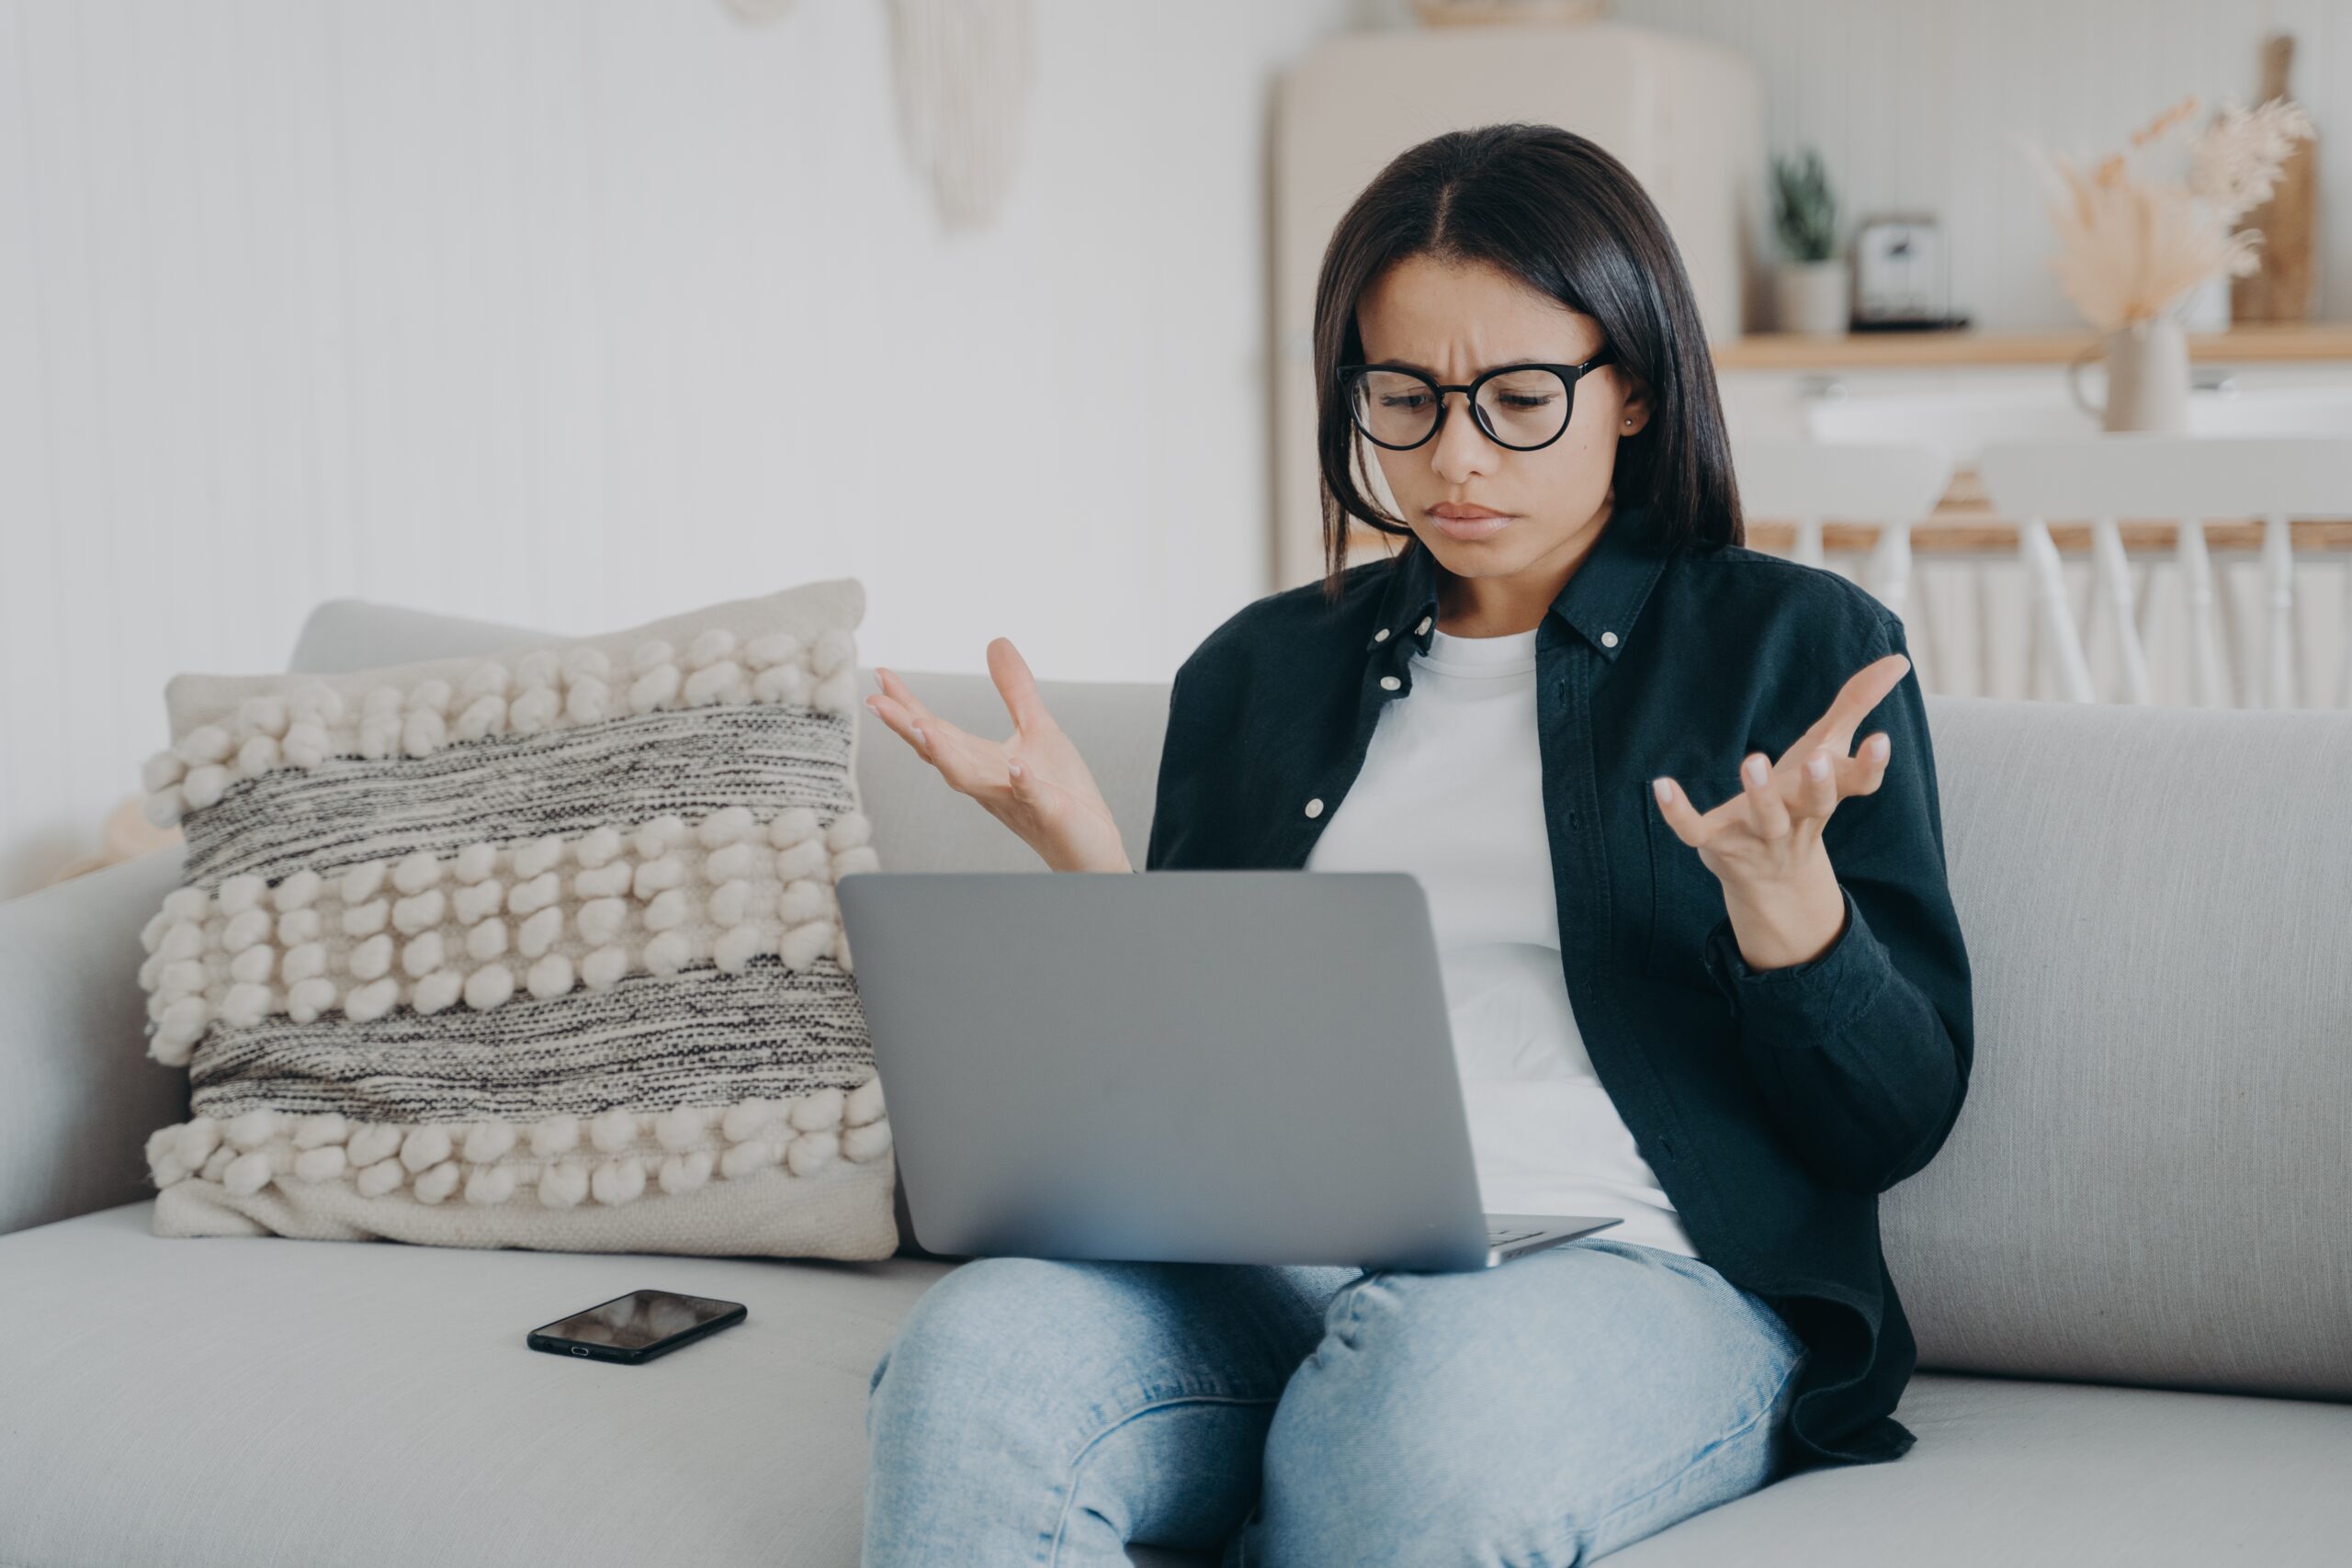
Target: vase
x: 2147, y: 376
x: 1814, y: 296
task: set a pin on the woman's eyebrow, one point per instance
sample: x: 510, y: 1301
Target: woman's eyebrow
x: 1504, y: 365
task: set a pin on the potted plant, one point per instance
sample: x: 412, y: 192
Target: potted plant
x: 1814, y: 288
x: 2133, y: 246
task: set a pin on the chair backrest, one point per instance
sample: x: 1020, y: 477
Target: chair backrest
x: 2150, y: 1182
x: 1890, y: 484
x: 1857, y: 482
x: 2147, y: 474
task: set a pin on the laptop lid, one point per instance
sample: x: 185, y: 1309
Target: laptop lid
x: 1089, y: 1064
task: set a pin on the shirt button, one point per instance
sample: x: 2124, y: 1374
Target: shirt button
x: 1315, y: 806
x: 1390, y: 682
x: 1424, y: 626
x: 1380, y: 636
x: 1607, y: 640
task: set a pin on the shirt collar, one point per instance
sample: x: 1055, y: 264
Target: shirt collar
x: 1601, y: 600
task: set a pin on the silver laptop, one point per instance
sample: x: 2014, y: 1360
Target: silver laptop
x: 1203, y: 1066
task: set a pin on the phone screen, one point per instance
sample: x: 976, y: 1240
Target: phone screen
x: 639, y: 1319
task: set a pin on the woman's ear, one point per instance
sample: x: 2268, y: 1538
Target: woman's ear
x: 1635, y: 413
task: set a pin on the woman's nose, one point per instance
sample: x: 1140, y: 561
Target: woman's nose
x: 1460, y: 448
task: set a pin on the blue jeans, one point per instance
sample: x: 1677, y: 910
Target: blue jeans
x: 1541, y: 1413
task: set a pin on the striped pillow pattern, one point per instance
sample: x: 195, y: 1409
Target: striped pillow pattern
x: 540, y: 950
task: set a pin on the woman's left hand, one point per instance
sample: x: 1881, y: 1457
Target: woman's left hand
x: 1764, y: 843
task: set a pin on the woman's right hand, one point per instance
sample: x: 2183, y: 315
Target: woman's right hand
x: 1033, y: 781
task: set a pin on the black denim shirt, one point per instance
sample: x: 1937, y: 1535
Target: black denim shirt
x: 1774, y: 1106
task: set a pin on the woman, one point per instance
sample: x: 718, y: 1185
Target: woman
x: 1701, y: 960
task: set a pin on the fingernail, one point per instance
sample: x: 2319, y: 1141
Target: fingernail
x: 1880, y: 746
x: 921, y: 736
x: 1664, y: 790
x: 1014, y: 768
x: 1818, y: 767
x: 1753, y: 770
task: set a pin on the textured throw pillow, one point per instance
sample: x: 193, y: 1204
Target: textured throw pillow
x: 537, y: 951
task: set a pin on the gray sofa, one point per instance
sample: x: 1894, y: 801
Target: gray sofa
x: 2130, y: 1269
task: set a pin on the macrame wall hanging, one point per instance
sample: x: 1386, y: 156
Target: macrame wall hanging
x: 963, y: 71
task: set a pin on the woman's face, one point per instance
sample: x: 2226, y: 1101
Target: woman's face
x: 1456, y: 321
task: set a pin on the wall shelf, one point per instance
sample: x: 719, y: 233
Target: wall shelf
x: 2283, y: 341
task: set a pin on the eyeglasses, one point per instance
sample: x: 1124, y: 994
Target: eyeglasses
x: 1523, y: 407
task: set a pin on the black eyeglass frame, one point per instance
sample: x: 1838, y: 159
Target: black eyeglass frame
x: 1569, y: 375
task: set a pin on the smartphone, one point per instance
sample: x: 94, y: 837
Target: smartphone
x: 636, y: 1328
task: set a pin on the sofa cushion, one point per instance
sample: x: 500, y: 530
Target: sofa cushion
x: 236, y: 1400
x: 232, y: 1402
x: 340, y: 637
x: 471, y: 941
x: 2011, y: 1471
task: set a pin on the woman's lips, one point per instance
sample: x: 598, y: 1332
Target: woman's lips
x: 1469, y: 528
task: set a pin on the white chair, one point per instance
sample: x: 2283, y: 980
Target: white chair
x: 1893, y: 485
x: 2190, y: 478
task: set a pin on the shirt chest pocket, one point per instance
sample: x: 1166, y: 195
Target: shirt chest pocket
x: 1686, y: 898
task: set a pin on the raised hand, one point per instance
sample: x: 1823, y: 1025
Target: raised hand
x: 1034, y: 781
x: 1764, y: 843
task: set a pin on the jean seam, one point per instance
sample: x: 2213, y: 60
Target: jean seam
x: 1355, y: 1311
x: 1584, y: 1538
x: 1069, y: 1488
x: 1345, y: 1335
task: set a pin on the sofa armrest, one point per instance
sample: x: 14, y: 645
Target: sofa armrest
x: 78, y: 1092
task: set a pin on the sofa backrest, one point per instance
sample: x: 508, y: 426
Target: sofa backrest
x: 2151, y: 1181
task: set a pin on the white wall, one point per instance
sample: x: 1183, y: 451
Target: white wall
x: 575, y: 314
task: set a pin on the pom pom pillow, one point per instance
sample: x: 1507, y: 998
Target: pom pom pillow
x: 537, y: 951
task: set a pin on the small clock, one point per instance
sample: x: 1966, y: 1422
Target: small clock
x: 1901, y: 274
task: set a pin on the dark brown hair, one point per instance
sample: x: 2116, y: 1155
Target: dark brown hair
x: 1559, y: 213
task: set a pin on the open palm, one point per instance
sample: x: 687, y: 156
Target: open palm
x: 1034, y: 781
x: 1766, y: 831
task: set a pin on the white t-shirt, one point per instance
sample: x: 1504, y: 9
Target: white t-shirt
x: 1451, y: 791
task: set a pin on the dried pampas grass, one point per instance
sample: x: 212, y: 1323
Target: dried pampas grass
x: 2129, y: 244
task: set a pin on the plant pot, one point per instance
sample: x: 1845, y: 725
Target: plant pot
x: 2147, y: 376
x: 1814, y: 298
